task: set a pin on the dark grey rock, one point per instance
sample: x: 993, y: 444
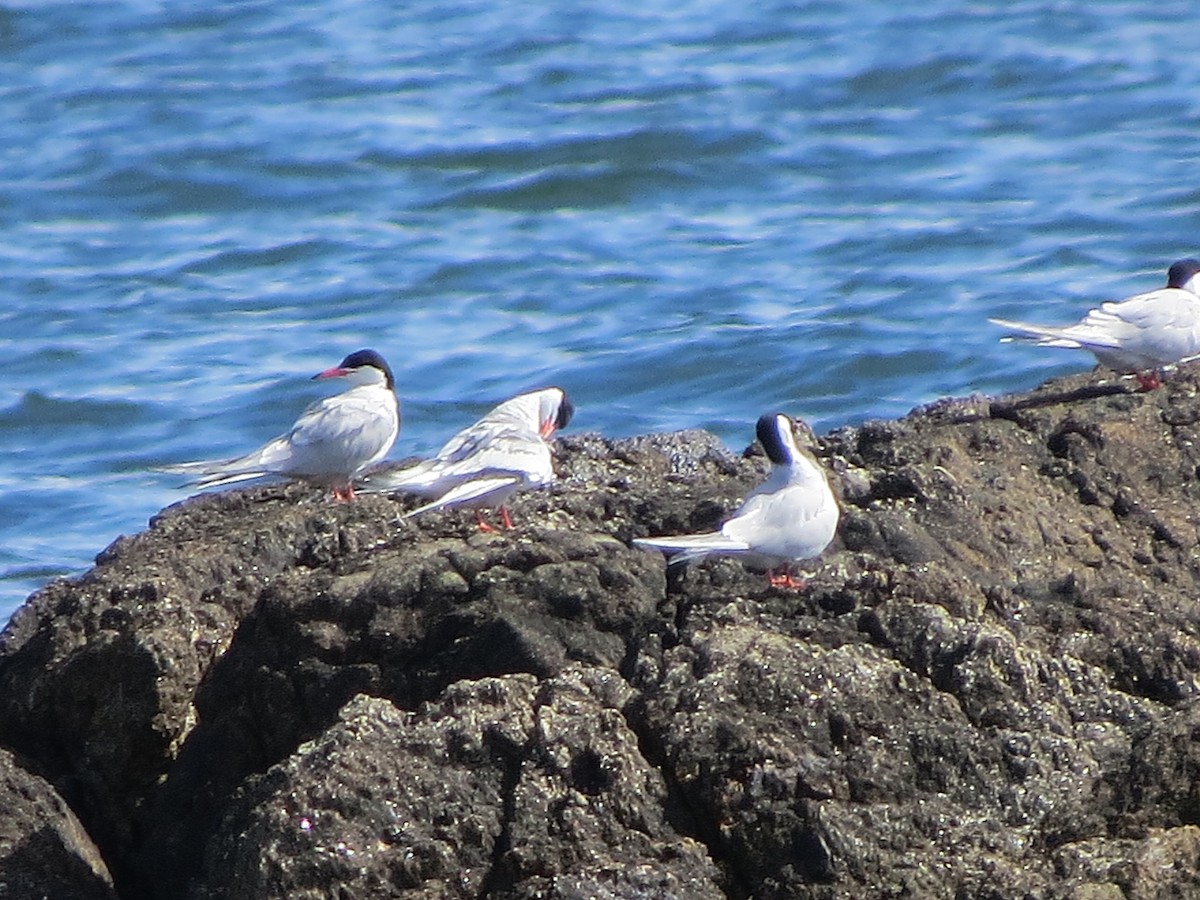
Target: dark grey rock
x: 44, y: 851
x: 509, y: 786
x: 988, y: 688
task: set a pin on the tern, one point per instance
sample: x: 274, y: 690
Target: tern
x: 334, y: 439
x: 791, y: 516
x: 1139, y: 334
x: 485, y: 463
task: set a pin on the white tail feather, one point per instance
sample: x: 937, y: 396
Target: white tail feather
x: 684, y: 547
x: 471, y: 493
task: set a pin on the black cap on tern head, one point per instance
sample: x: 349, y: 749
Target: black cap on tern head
x: 566, y: 409
x: 360, y: 358
x: 770, y: 430
x: 1182, y: 272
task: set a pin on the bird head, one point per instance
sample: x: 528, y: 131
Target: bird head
x: 362, y: 367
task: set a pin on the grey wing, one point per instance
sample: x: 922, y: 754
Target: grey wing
x: 214, y: 472
x: 488, y: 491
x: 463, y: 444
x: 513, y: 455
x: 1119, y: 324
x: 333, y: 434
x: 422, y: 479
x: 681, y: 548
x: 266, y: 460
x: 1165, y: 319
x: 795, y: 521
x: 478, y: 437
x: 1169, y: 309
x: 499, y: 449
x: 1041, y: 335
x: 460, y: 458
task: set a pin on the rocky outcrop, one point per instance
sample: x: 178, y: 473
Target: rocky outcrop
x: 44, y: 852
x: 988, y: 688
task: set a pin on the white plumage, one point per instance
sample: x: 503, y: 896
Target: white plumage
x: 791, y: 516
x: 485, y: 463
x: 1142, y: 332
x: 332, y: 441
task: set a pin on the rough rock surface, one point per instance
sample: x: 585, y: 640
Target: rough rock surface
x: 989, y: 688
x: 44, y: 851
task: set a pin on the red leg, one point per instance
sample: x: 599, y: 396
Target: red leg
x: 1148, y: 381
x: 505, y: 520
x: 344, y: 493
x: 783, y: 578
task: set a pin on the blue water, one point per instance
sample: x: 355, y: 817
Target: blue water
x: 685, y: 213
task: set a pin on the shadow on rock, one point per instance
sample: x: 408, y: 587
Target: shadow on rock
x: 404, y: 624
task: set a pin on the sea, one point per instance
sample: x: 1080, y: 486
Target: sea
x: 686, y: 213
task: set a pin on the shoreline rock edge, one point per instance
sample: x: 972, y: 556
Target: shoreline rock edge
x: 987, y: 690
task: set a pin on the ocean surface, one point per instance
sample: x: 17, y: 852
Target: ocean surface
x: 685, y: 213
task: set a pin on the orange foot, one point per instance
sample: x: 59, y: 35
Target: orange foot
x: 784, y: 579
x: 344, y: 493
x: 1148, y: 381
x: 484, y: 525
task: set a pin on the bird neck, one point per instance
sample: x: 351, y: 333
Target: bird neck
x: 802, y: 469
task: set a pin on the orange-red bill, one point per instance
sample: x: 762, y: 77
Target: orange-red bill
x: 335, y: 372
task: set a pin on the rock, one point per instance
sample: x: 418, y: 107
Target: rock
x: 1159, y: 865
x: 987, y: 689
x: 100, y: 676
x: 44, y: 851
x: 510, y: 785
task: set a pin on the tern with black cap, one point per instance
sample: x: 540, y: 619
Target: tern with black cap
x: 1139, y: 334
x: 484, y: 464
x: 334, y: 439
x: 791, y: 516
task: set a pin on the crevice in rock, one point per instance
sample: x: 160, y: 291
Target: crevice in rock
x: 499, y: 880
x: 1009, y: 408
x: 681, y: 812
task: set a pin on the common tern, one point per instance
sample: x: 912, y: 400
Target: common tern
x: 485, y: 463
x: 790, y: 517
x: 1138, y: 334
x: 333, y: 440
